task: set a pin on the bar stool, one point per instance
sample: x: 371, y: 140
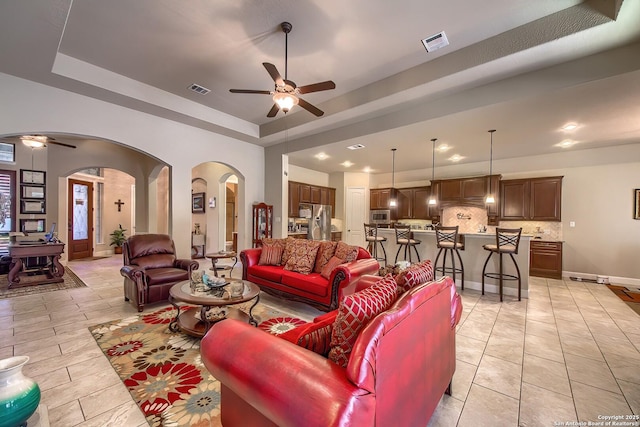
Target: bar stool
x: 447, y: 242
x: 403, y: 239
x: 373, y: 241
x: 507, y: 242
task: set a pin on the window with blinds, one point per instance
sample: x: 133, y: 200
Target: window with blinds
x: 7, y: 207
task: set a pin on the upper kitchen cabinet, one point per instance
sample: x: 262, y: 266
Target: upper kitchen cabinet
x: 412, y: 203
x: 310, y: 194
x: 294, y: 199
x: 379, y: 198
x: 535, y: 199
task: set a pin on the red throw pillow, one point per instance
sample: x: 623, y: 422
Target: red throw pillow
x: 303, y: 255
x: 271, y: 255
x: 326, y: 251
x: 414, y: 275
x: 354, y: 312
x: 330, y: 266
x: 346, y: 252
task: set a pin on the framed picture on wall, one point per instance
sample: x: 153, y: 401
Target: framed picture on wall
x: 32, y: 192
x: 197, y: 203
x: 28, y: 176
x: 32, y: 225
x: 636, y: 210
x: 32, y: 207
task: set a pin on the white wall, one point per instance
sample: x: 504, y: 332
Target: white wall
x: 31, y: 107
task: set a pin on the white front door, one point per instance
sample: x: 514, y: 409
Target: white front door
x: 355, y: 218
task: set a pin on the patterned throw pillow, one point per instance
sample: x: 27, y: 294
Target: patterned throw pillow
x: 303, y: 255
x: 288, y: 247
x: 275, y: 242
x: 330, y: 266
x: 354, y: 312
x: 271, y: 255
x: 346, y: 252
x: 326, y: 251
x: 414, y: 275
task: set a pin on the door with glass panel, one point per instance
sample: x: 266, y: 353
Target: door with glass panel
x: 80, y: 227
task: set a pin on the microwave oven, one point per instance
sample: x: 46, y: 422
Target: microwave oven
x: 380, y: 216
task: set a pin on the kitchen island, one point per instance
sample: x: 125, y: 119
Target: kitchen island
x: 473, y: 256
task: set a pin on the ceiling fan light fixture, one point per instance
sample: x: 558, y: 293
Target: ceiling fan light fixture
x: 33, y: 141
x: 285, y: 101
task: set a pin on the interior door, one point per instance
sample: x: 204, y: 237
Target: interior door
x: 80, y: 227
x: 355, y: 218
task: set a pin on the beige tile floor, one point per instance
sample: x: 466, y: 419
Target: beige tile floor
x: 568, y: 353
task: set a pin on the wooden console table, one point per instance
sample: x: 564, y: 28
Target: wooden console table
x: 52, y: 272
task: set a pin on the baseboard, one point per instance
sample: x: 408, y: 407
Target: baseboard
x: 616, y: 280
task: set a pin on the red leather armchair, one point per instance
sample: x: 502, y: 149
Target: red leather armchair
x: 151, y: 268
x: 402, y: 363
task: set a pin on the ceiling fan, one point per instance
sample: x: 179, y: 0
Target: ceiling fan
x: 36, y: 141
x: 285, y: 93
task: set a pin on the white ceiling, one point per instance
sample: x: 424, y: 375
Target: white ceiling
x: 524, y: 68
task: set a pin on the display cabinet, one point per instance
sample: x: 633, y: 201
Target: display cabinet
x: 262, y: 223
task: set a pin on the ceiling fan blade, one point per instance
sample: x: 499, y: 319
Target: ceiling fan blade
x: 310, y: 108
x: 261, y: 92
x: 273, y: 72
x: 50, y: 141
x: 274, y: 110
x: 317, y: 87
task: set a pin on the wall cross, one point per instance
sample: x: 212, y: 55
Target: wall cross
x: 119, y: 203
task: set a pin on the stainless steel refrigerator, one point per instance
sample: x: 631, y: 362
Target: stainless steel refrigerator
x: 320, y: 223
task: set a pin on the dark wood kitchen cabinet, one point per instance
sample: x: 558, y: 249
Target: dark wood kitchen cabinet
x: 412, y: 203
x: 310, y: 194
x: 294, y: 199
x: 534, y: 199
x: 545, y: 259
x: 379, y: 198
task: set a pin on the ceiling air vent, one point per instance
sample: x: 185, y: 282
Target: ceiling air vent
x: 355, y: 147
x: 199, y: 89
x: 435, y: 42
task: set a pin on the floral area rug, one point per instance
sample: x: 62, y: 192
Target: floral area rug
x: 163, y: 370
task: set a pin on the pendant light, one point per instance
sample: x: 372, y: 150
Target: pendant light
x: 432, y: 197
x: 490, y: 199
x: 392, y: 199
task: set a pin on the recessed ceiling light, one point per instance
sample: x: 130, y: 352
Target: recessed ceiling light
x: 566, y: 143
x: 443, y: 148
x: 569, y: 127
x: 321, y: 156
x: 455, y: 158
x: 347, y: 164
x: 366, y: 169
x: 355, y: 147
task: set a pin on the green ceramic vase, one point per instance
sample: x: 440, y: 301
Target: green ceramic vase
x: 19, y: 395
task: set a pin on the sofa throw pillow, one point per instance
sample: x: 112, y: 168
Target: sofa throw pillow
x: 271, y: 255
x: 325, y: 252
x: 414, y: 275
x: 354, y: 312
x: 330, y: 266
x: 346, y: 252
x: 288, y: 247
x: 275, y: 242
x: 303, y: 255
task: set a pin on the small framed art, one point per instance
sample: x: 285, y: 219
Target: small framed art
x: 28, y: 176
x: 197, y: 203
x: 32, y: 207
x: 32, y: 225
x: 636, y: 209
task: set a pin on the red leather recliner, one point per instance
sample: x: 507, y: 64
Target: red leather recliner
x: 151, y: 268
x: 402, y: 363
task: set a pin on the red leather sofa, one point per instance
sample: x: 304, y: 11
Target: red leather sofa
x: 402, y: 363
x: 312, y: 288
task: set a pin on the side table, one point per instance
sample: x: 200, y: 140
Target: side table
x: 215, y: 256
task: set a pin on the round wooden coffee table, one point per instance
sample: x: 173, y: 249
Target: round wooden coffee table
x: 187, y: 321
